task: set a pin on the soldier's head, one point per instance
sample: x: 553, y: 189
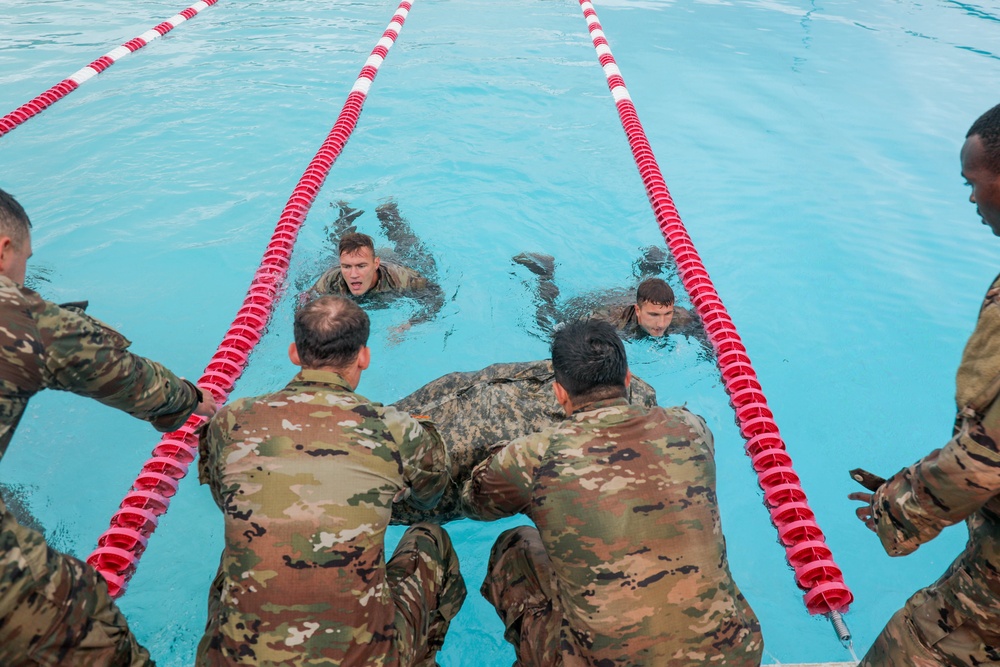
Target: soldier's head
x: 358, y: 263
x: 15, y: 239
x: 981, y: 167
x: 654, y: 306
x: 331, y: 334
x: 589, y: 362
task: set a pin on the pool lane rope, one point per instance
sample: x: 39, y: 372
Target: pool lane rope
x: 120, y: 547
x: 800, y: 535
x: 67, y: 86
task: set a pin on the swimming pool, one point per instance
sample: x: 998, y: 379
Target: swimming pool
x: 812, y: 150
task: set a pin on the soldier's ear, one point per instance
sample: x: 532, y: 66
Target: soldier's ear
x: 628, y: 378
x: 562, y: 397
x: 293, y: 354
x: 364, y: 357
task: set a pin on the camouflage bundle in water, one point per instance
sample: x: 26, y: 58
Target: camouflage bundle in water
x: 477, y: 410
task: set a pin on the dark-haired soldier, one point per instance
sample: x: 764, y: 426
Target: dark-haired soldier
x: 55, y: 609
x: 626, y: 563
x: 650, y: 312
x: 306, y: 478
x: 955, y: 620
x: 361, y: 271
x: 653, y: 313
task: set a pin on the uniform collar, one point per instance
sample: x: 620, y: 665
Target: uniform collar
x: 311, y: 378
x: 608, y: 406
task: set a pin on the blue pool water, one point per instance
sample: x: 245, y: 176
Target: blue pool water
x: 811, y: 147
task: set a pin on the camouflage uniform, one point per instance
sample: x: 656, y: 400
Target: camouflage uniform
x: 55, y: 609
x: 306, y: 478
x: 955, y: 620
x: 479, y: 409
x: 392, y: 277
x: 627, y: 562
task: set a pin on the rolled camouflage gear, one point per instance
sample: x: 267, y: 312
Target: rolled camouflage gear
x: 478, y: 410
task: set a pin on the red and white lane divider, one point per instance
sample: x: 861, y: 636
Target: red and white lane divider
x: 120, y: 547
x: 66, y: 86
x: 804, y: 542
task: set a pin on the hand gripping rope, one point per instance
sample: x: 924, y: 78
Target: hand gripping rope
x: 66, y: 86
x: 805, y: 546
x: 120, y: 547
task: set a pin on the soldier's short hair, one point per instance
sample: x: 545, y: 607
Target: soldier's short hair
x: 656, y: 291
x: 353, y: 242
x: 14, y: 221
x: 987, y: 127
x: 589, y: 360
x: 330, y: 332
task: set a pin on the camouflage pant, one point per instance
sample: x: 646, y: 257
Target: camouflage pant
x: 519, y: 585
x: 55, y: 609
x: 928, y: 632
x: 427, y: 589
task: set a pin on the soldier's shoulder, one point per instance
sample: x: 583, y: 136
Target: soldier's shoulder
x: 680, y: 416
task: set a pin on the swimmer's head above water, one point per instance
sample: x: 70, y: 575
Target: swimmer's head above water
x: 654, y: 306
x: 358, y: 262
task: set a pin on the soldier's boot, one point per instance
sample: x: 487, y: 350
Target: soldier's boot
x: 654, y: 261
x: 538, y: 263
x: 344, y: 223
x: 404, y: 241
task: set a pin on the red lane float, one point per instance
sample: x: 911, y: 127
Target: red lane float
x: 67, y: 86
x: 804, y: 542
x: 120, y: 547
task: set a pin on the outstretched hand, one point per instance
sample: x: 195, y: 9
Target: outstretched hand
x: 864, y: 513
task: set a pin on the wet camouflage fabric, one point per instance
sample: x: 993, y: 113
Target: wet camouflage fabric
x: 51, y: 605
x: 392, y: 277
x: 306, y: 478
x: 956, y: 620
x: 478, y: 410
x: 623, y: 498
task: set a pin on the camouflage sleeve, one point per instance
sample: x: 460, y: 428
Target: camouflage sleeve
x: 500, y: 486
x: 211, y: 441
x: 87, y: 358
x: 424, y: 457
x: 941, y: 489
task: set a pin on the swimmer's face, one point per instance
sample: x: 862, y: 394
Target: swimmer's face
x: 15, y: 258
x: 985, y: 183
x: 654, y: 318
x: 360, y: 270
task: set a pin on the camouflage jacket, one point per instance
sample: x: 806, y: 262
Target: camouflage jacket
x: 624, y: 500
x: 305, y: 478
x: 623, y: 318
x: 392, y: 277
x: 960, y: 481
x: 45, y: 346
